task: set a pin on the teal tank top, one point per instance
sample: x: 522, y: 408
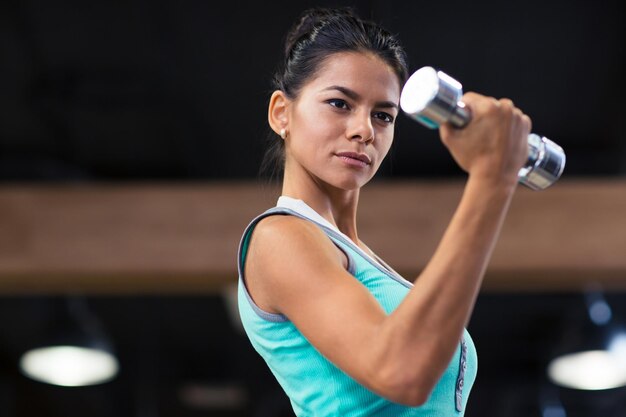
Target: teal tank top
x: 314, y: 385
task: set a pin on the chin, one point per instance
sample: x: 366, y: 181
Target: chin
x: 351, y: 183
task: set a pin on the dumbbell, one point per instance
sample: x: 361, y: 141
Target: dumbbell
x: 432, y: 98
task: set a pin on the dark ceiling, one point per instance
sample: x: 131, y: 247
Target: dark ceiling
x: 142, y: 90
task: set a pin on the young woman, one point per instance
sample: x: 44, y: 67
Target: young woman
x: 342, y: 332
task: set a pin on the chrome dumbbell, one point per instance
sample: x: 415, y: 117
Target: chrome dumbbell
x: 432, y: 97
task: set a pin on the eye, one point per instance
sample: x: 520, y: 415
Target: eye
x: 385, y: 117
x: 339, y: 103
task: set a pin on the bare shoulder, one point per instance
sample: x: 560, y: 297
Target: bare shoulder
x: 284, y: 254
x: 284, y: 225
x: 280, y: 236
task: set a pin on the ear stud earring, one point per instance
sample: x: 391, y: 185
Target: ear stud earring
x: 283, y: 133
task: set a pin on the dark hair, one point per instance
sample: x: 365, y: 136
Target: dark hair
x: 317, y: 34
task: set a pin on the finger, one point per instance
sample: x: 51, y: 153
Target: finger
x: 507, y: 102
x: 518, y: 113
x: 447, y: 132
x: 479, y: 104
x: 474, y: 98
x: 528, y: 123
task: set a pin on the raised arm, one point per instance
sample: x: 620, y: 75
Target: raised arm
x: 293, y: 268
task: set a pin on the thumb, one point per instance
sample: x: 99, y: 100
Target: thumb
x: 447, y: 132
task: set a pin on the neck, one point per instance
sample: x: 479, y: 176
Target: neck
x: 337, y: 206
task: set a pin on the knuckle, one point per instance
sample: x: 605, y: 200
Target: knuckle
x: 492, y: 105
x: 507, y: 108
x: 518, y: 114
x: 507, y: 103
x: 527, y: 121
x: 470, y: 95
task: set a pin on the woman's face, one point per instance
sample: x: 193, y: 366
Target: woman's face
x: 341, y: 124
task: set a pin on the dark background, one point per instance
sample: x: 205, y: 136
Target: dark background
x: 144, y: 90
x: 167, y: 343
x: 120, y: 91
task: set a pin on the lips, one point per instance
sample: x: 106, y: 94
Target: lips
x: 357, y: 156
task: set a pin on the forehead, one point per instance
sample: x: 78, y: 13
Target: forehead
x: 364, y: 73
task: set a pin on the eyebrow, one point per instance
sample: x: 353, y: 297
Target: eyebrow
x: 355, y: 96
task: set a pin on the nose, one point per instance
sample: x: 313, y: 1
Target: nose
x: 360, y: 128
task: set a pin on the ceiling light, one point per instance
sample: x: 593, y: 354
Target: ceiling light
x: 69, y: 366
x: 593, y: 357
x: 76, y: 353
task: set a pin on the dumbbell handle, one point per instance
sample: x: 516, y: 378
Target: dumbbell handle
x: 432, y: 97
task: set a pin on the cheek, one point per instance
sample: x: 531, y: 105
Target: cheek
x: 315, y: 129
x: 385, y: 145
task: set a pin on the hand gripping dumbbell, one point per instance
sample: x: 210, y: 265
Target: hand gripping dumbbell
x: 432, y: 97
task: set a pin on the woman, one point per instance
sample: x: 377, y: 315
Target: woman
x: 342, y: 332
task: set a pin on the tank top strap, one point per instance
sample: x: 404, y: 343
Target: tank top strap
x: 245, y: 239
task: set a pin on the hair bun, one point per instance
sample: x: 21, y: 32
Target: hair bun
x: 307, y: 22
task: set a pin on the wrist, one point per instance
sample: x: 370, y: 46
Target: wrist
x: 506, y: 184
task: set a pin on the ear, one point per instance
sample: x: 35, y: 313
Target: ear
x: 278, y: 111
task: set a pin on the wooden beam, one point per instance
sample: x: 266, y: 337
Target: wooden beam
x: 182, y: 238
x: 562, y: 238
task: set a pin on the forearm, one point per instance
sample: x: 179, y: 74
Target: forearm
x: 425, y: 329
x: 448, y: 286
